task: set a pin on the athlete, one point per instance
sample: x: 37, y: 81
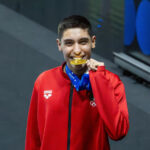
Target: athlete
x: 78, y: 105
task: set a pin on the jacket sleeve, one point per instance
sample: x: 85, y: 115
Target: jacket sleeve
x: 32, y: 133
x: 110, y: 98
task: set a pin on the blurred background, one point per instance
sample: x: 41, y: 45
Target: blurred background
x: 28, y: 32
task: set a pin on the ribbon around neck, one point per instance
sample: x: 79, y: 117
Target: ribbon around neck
x: 79, y: 84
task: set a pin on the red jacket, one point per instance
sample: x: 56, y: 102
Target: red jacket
x: 58, y: 120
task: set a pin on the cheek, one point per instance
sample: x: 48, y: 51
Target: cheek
x: 87, y: 47
x: 66, y: 52
x: 87, y: 50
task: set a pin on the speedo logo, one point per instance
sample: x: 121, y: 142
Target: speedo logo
x: 47, y: 94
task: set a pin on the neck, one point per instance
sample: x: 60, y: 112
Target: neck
x: 78, y: 73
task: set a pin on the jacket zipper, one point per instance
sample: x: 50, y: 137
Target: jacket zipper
x: 69, y: 120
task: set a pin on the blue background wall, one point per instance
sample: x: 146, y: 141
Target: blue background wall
x: 137, y: 25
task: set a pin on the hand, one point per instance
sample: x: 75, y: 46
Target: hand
x: 93, y: 64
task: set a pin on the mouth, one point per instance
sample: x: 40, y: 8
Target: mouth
x: 78, y: 61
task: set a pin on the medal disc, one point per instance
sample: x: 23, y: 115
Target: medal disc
x: 78, y: 61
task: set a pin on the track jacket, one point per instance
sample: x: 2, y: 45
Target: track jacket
x: 60, y: 118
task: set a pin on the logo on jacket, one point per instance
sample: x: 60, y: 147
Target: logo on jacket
x: 92, y: 103
x: 47, y: 94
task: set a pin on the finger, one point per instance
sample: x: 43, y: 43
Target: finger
x: 93, y: 67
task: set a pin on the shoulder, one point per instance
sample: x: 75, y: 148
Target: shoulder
x: 106, y: 73
x: 46, y: 75
x: 112, y: 76
x: 115, y: 81
x: 103, y: 74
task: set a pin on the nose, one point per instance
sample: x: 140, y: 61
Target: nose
x: 77, y: 50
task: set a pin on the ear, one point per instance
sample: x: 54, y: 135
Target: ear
x: 58, y: 44
x: 93, y: 41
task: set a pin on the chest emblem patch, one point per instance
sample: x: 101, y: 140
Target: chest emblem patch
x: 92, y: 103
x: 47, y: 94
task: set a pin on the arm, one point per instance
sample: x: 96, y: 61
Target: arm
x: 110, y: 98
x: 32, y: 133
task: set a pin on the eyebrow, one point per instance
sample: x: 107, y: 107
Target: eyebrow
x: 82, y: 39
x: 66, y: 40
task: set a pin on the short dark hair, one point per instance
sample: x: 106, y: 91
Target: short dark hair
x: 74, y: 21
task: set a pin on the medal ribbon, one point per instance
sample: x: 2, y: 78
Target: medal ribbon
x: 79, y: 84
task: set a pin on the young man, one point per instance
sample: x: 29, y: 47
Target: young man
x: 76, y: 106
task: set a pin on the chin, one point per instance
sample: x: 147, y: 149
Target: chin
x: 79, y: 68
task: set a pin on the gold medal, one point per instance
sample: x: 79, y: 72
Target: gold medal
x: 78, y: 61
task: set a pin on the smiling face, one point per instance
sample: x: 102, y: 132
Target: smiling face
x: 76, y: 42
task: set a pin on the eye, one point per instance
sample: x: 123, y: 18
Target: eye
x: 83, y: 42
x: 68, y: 43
